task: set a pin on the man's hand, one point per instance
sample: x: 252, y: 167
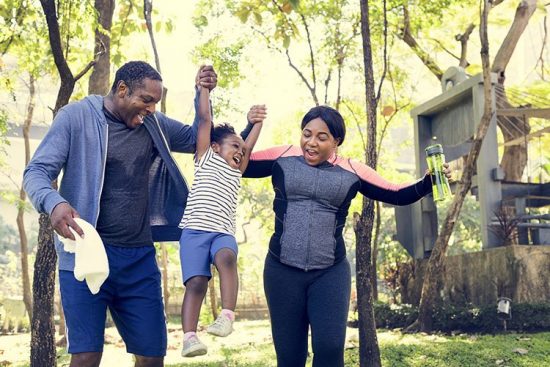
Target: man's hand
x: 206, y: 77
x: 257, y: 113
x: 62, y: 218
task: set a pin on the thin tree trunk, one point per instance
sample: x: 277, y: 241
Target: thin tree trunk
x: 42, y: 327
x: 99, y: 79
x: 62, y: 341
x: 408, y: 38
x: 369, y: 352
x: 373, y: 277
x: 437, y: 261
x: 463, y: 39
x: 147, y: 12
x: 27, y: 297
x: 165, y: 288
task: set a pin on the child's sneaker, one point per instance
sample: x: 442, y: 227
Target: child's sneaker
x: 193, y: 347
x: 223, y: 326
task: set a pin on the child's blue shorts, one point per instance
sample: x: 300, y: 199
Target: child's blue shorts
x: 198, y: 249
x: 133, y: 294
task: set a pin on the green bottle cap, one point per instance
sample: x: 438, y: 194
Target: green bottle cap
x: 434, y: 149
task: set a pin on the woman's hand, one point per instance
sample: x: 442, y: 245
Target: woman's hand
x: 446, y: 171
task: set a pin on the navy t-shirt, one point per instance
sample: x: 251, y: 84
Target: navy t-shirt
x: 124, y: 206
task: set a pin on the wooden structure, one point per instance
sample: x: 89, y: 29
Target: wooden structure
x: 451, y: 119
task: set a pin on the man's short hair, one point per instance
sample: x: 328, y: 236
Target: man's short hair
x: 133, y: 73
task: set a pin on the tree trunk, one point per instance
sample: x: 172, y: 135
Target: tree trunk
x: 65, y: 73
x: 437, y: 261
x: 99, y: 79
x: 165, y: 288
x: 42, y: 328
x: 369, y: 352
x: 212, y: 294
x: 27, y: 297
x: 147, y: 11
x: 514, y: 158
x: 373, y: 274
x: 62, y: 342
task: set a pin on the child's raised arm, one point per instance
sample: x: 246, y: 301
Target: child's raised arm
x: 205, y: 122
x: 256, y: 116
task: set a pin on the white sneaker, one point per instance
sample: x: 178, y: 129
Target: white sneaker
x: 223, y: 326
x: 193, y: 347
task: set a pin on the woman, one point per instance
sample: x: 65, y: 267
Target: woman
x: 307, y: 277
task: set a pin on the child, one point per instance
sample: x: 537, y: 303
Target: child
x: 208, y: 223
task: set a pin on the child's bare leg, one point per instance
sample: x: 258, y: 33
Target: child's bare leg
x: 226, y: 263
x: 195, y: 291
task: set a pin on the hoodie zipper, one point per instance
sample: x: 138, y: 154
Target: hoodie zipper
x: 168, y: 149
x: 102, y: 174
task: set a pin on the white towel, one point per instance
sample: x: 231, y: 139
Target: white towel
x: 91, y: 261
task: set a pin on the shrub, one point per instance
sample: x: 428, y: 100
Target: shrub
x: 526, y: 317
x: 394, y: 316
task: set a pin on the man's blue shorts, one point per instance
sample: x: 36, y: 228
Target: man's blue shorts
x: 198, y: 249
x: 133, y: 294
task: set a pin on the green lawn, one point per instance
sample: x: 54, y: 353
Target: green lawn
x: 251, y: 346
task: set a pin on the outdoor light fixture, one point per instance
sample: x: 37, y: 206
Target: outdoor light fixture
x: 504, y: 308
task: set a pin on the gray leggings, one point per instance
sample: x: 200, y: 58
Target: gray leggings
x: 299, y: 299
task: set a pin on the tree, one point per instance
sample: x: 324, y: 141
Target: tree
x: 25, y: 41
x: 282, y: 24
x: 43, y: 331
x: 514, y: 158
x: 369, y: 352
x: 436, y: 263
x: 147, y: 14
x: 99, y: 78
x: 21, y: 205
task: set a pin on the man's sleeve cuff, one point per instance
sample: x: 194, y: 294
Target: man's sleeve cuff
x: 52, y: 200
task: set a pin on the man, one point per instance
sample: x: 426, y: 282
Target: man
x: 119, y: 176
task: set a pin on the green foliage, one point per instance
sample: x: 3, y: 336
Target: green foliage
x: 467, y: 318
x: 3, y: 135
x: 126, y: 21
x: 391, y: 316
x: 10, y: 239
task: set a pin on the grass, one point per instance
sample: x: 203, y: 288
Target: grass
x: 400, y: 350
x: 251, y: 346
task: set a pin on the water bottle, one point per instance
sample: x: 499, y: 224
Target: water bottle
x: 440, y: 185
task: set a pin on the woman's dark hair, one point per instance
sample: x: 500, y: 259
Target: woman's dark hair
x: 133, y: 73
x: 331, y: 117
x: 220, y: 131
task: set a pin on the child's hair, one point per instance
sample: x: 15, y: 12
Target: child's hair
x: 220, y: 131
